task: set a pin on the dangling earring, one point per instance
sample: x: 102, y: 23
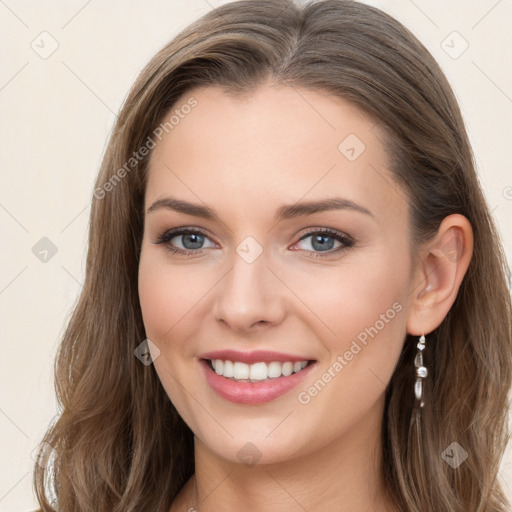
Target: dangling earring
x: 421, y: 371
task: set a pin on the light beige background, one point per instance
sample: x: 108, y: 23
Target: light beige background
x: 56, y: 115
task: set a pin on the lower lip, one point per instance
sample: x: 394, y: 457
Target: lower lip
x: 252, y: 392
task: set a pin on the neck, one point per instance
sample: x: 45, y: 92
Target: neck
x: 345, y: 475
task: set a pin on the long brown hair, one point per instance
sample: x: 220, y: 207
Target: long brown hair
x: 118, y: 442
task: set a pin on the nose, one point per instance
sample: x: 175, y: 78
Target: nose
x: 250, y: 297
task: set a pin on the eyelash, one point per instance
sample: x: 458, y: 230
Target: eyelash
x: 165, y: 238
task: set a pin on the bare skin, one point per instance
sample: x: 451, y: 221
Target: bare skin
x: 246, y: 158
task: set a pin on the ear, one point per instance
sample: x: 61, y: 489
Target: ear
x: 441, y: 266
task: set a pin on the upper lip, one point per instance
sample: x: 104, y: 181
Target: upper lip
x: 253, y: 356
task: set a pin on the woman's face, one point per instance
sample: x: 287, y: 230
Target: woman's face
x: 267, y: 279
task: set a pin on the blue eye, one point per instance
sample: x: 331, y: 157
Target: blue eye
x: 192, y: 242
x: 323, y: 241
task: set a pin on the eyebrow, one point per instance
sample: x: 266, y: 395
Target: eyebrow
x: 283, y: 213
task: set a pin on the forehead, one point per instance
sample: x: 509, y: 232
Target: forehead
x: 277, y: 144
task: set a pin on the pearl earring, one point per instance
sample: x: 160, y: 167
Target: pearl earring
x: 421, y: 371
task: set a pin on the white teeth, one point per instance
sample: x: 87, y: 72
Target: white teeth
x: 287, y: 369
x: 240, y: 370
x: 228, y: 369
x: 256, y: 371
x: 274, y: 370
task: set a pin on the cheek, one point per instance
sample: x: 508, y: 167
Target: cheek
x: 364, y: 308
x: 361, y: 306
x: 344, y: 301
x: 165, y: 300
x: 168, y: 296
x: 156, y: 297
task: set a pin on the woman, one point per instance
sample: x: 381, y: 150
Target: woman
x: 295, y: 294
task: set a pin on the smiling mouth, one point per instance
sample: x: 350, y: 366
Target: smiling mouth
x: 256, y: 372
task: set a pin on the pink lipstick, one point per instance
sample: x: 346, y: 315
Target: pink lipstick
x: 253, y: 377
